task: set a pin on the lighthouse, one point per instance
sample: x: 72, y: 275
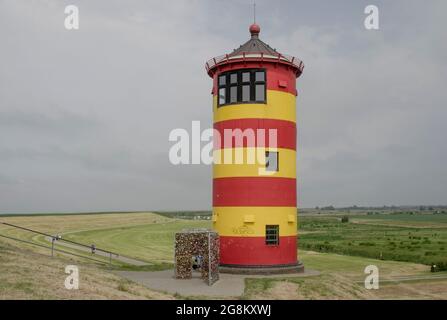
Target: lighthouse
x: 255, y: 203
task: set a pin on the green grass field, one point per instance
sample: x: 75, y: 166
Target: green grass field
x: 340, y: 251
x: 419, y: 238
x: 149, y: 242
x: 66, y: 224
x: 404, y: 237
x: 406, y: 219
x: 401, y: 237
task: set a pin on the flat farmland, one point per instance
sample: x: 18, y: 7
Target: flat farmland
x: 402, y: 246
x: 420, y: 238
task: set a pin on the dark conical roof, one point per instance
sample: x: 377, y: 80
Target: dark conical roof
x: 254, y: 45
x: 254, y: 50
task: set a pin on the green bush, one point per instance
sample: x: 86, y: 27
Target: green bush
x: 439, y: 266
x: 368, y: 244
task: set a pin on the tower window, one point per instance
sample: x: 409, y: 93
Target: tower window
x: 233, y: 94
x: 242, y: 86
x: 222, y: 80
x: 246, y: 76
x: 246, y: 93
x: 271, y: 161
x: 259, y: 76
x: 233, y: 78
x: 272, y: 235
x: 260, y: 92
x: 222, y: 95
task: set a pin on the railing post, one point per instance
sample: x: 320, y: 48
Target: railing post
x: 52, y: 246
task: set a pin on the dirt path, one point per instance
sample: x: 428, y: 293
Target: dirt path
x: 415, y: 278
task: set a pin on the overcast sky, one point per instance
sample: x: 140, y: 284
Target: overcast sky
x: 85, y: 115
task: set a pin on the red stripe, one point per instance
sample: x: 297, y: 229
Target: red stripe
x: 252, y: 251
x: 285, y: 133
x: 277, y: 75
x: 254, y: 192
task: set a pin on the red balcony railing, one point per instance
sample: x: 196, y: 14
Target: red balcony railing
x: 249, y: 56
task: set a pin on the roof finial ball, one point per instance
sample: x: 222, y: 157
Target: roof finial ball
x: 254, y: 30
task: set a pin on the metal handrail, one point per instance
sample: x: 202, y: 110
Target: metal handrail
x: 251, y: 55
x: 52, y: 248
x: 59, y: 238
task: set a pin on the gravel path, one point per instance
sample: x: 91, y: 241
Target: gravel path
x: 229, y: 285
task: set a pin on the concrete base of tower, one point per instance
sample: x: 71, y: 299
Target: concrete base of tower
x: 275, y: 269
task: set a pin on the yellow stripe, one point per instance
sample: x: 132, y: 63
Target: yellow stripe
x: 252, y: 163
x: 251, y: 221
x: 280, y: 105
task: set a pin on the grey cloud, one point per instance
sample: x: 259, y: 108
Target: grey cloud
x: 85, y: 115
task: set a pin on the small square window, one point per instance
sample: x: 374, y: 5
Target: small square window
x: 271, y: 161
x: 233, y: 94
x: 272, y: 235
x: 233, y: 78
x: 222, y: 96
x: 259, y: 76
x: 260, y: 92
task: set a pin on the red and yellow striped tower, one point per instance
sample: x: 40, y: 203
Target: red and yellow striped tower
x: 254, y: 204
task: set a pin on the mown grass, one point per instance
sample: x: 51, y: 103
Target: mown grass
x: 55, y: 224
x: 152, y: 267
x: 149, y: 242
x: 420, y: 238
x: 184, y: 214
x: 143, y: 235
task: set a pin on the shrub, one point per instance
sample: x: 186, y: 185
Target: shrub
x: 439, y: 266
x: 368, y: 244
